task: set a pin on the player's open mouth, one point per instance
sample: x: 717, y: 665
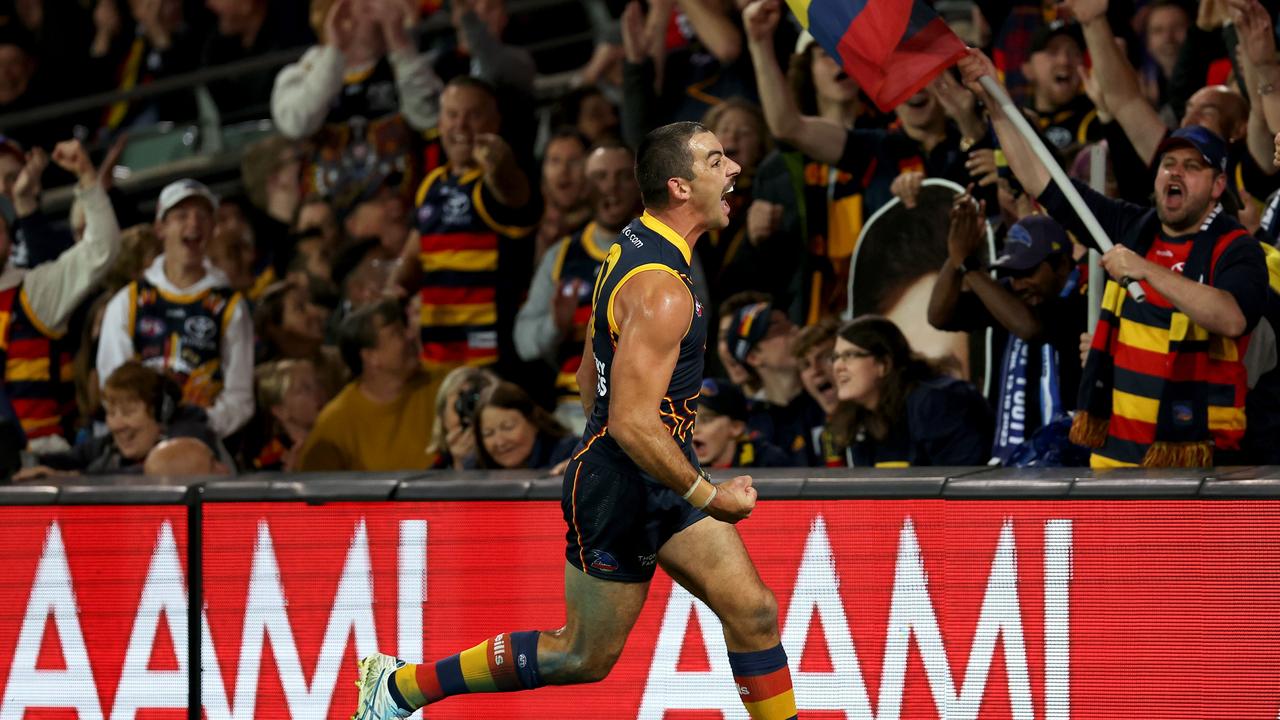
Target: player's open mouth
x: 724, y: 202
x: 1173, y: 195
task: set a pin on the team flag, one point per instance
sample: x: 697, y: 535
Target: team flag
x: 893, y: 48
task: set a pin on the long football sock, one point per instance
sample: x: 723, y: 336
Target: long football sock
x: 505, y: 663
x: 764, y: 683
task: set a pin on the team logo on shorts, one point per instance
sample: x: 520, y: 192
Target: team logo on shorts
x: 602, y: 561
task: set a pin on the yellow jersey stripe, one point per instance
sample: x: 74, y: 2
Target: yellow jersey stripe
x: 613, y: 325
x: 466, y: 260
x: 478, y: 314
x: 672, y: 236
x: 35, y: 319
x: 428, y: 182
x: 510, y: 231
x: 26, y: 370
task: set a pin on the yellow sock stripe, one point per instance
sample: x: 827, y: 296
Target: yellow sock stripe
x: 475, y: 669
x: 407, y: 684
x: 778, y: 707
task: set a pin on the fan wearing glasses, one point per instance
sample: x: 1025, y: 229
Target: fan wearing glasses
x: 898, y: 409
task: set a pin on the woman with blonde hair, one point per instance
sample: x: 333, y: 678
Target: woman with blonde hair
x: 290, y: 396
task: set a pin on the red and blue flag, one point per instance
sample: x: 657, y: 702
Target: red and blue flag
x: 893, y: 48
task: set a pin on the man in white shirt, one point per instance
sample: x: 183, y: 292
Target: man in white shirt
x: 182, y: 318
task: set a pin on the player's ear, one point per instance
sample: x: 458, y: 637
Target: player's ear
x: 678, y: 188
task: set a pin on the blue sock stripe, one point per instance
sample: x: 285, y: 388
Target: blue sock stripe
x: 760, y: 662
x: 524, y: 646
x: 449, y: 672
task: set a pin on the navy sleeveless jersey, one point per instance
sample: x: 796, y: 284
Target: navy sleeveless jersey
x: 645, y: 245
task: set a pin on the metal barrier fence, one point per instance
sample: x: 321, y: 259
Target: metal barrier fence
x: 773, y: 484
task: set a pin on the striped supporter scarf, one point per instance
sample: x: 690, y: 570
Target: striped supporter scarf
x: 1157, y: 389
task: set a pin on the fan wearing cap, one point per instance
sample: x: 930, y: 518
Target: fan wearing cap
x: 36, y: 304
x: 1063, y: 113
x: 720, y: 436
x: 1037, y: 300
x: 1164, y: 382
x: 760, y: 338
x: 182, y: 317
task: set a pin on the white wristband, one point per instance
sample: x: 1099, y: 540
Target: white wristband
x: 710, y: 497
x: 689, y: 493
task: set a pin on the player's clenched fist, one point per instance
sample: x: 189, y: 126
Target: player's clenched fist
x: 734, y: 500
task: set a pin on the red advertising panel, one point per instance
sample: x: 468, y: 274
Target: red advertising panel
x: 888, y: 609
x: 93, y: 612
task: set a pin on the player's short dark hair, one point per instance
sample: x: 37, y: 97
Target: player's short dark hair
x: 663, y: 154
x: 358, y: 331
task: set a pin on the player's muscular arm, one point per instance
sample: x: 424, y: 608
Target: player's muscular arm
x: 652, y: 311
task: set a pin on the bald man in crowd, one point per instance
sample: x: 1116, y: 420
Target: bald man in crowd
x: 182, y: 457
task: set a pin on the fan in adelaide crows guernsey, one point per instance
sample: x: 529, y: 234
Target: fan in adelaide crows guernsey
x: 35, y: 306
x: 473, y: 222
x: 182, y: 319
x: 364, y: 96
x: 633, y: 494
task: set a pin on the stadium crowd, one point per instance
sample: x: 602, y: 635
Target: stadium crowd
x: 406, y: 279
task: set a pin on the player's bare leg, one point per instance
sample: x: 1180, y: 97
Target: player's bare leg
x: 599, y: 615
x: 709, y: 560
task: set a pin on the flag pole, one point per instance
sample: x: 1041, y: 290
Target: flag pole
x: 1050, y: 163
x: 1098, y: 181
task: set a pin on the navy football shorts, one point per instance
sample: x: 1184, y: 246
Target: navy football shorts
x: 618, y: 521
